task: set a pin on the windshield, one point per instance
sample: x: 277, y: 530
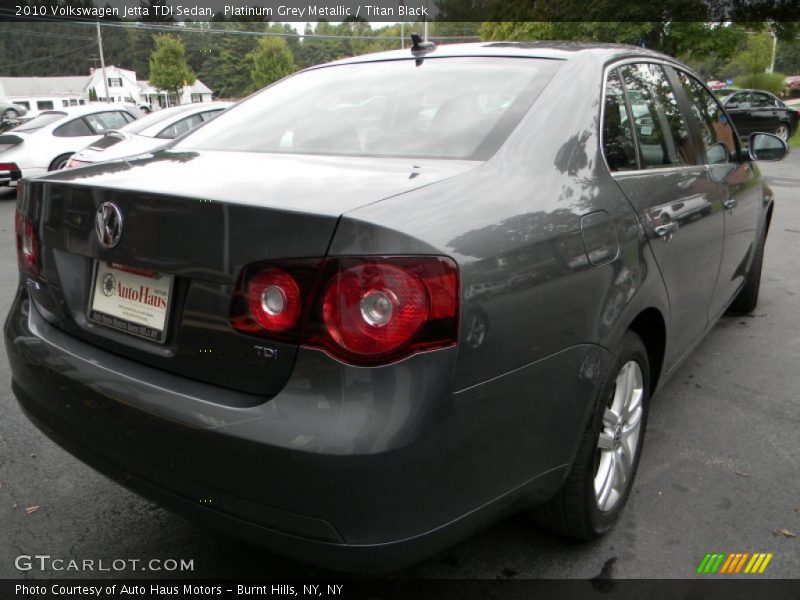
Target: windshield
x: 156, y: 117
x: 444, y: 108
x: 38, y: 122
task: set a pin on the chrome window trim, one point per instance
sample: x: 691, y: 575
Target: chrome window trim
x: 627, y: 60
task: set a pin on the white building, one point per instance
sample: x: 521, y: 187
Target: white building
x: 44, y: 93
x: 47, y: 93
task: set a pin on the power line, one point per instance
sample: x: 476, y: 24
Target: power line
x: 25, y: 62
x: 46, y: 34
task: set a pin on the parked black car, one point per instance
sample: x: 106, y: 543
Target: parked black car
x: 757, y: 110
x: 354, y: 339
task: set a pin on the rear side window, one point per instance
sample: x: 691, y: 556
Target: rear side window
x: 461, y: 108
x: 715, y: 128
x: 619, y: 147
x: 75, y: 128
x: 661, y: 128
x: 762, y: 101
x: 179, y: 128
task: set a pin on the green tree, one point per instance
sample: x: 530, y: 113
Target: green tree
x: 272, y: 60
x: 168, y: 68
x: 757, y: 55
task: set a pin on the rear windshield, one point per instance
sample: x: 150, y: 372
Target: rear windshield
x: 461, y: 108
x: 41, y: 121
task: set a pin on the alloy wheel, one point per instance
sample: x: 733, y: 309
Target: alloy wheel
x: 619, y: 437
x: 782, y: 132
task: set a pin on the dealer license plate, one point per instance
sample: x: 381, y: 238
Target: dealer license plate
x: 131, y: 300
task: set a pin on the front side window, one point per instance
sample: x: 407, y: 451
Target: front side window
x: 102, y: 122
x: 740, y: 100
x: 715, y: 128
x: 661, y: 128
x: 460, y: 108
x: 44, y: 105
x: 619, y: 147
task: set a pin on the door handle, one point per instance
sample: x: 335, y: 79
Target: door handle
x: 665, y: 231
x: 730, y: 203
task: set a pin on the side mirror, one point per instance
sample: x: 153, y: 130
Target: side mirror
x: 765, y: 146
x: 717, y: 154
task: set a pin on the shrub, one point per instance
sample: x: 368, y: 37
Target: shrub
x: 770, y: 82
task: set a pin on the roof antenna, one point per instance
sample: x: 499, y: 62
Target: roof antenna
x: 420, y: 48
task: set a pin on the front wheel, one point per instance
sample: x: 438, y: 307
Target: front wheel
x: 601, y: 477
x: 782, y: 131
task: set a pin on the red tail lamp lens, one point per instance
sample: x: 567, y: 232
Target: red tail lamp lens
x: 273, y: 298
x: 27, y: 245
x: 361, y: 310
x: 374, y: 309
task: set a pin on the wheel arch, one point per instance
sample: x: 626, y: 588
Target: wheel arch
x: 650, y: 325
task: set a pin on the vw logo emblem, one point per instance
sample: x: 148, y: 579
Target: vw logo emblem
x: 108, y: 225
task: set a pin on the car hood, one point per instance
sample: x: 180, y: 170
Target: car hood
x: 325, y: 185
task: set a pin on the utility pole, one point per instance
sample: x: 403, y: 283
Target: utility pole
x: 102, y: 58
x: 774, y: 49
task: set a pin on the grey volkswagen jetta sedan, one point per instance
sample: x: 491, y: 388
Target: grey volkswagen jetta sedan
x: 389, y: 300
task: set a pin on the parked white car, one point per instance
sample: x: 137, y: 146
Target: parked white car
x: 148, y: 133
x: 46, y: 142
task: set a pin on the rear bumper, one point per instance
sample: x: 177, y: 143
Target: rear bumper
x: 7, y: 177
x: 348, y: 468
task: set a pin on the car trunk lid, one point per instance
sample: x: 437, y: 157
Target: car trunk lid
x: 199, y: 220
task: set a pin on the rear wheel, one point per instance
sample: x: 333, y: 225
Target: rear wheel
x: 10, y: 114
x: 601, y: 477
x: 782, y: 131
x: 59, y: 162
x: 747, y: 298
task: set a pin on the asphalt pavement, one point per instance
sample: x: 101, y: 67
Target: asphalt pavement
x: 720, y: 470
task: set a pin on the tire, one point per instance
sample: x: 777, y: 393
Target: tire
x: 747, y: 298
x: 578, y: 510
x: 10, y: 114
x: 59, y: 162
x: 782, y: 131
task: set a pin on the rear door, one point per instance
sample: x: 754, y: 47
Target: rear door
x: 672, y: 193
x: 738, y: 186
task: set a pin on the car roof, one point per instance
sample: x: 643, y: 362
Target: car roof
x: 173, y: 114
x: 547, y: 50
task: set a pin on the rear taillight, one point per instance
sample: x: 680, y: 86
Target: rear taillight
x: 274, y: 301
x: 364, y: 311
x: 9, y: 167
x: 27, y: 245
x: 73, y: 163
